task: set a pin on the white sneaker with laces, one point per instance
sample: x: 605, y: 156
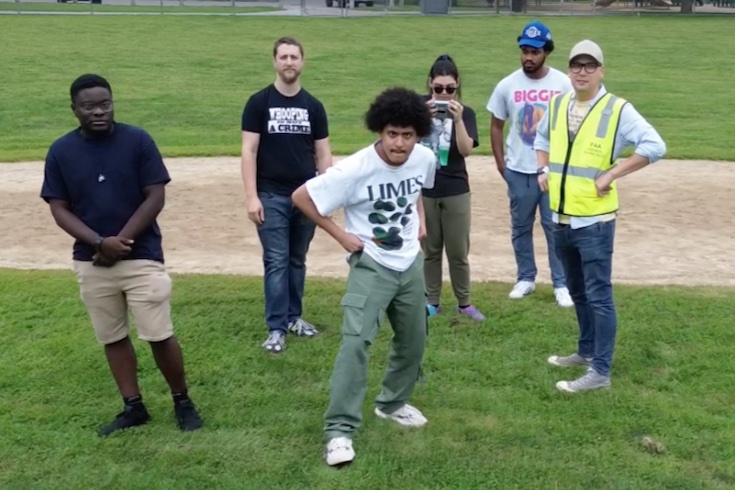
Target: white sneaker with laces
x: 563, y: 298
x: 522, y: 289
x: 302, y: 328
x: 276, y: 342
x: 571, y: 360
x: 407, y: 415
x: 339, y: 451
x: 590, y: 381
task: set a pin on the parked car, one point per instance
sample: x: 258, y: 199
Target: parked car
x: 346, y: 3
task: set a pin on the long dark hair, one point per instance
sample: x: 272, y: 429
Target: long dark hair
x: 445, y: 66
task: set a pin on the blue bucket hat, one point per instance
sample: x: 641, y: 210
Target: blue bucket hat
x: 535, y: 35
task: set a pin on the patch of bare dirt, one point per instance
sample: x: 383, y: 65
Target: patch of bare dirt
x: 676, y: 224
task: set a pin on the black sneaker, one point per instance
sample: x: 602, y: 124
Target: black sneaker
x: 131, y: 416
x: 187, y: 416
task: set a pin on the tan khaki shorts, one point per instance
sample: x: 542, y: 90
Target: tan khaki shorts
x: 143, y: 286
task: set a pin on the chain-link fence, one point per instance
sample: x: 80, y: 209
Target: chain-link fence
x: 353, y: 8
x: 500, y: 7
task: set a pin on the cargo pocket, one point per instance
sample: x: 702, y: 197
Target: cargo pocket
x: 359, y: 319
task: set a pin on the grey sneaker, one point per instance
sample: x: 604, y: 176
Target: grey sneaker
x: 573, y: 360
x: 302, y: 328
x: 276, y: 342
x: 590, y: 381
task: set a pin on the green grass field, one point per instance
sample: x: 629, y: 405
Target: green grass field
x: 495, y: 419
x: 187, y: 79
x: 87, y: 7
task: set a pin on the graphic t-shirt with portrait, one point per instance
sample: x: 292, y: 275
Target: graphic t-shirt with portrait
x: 451, y: 179
x: 379, y: 201
x: 523, y: 101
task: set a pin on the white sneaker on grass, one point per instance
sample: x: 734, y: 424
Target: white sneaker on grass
x: 339, y: 451
x: 563, y: 298
x: 407, y: 416
x: 572, y: 360
x: 275, y: 343
x: 302, y: 328
x: 522, y: 289
x: 590, y: 381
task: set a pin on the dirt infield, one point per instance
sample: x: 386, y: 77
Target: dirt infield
x: 676, y: 224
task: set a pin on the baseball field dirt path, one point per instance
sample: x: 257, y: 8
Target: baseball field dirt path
x: 676, y: 224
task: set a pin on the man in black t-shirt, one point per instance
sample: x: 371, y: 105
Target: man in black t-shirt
x: 104, y: 183
x: 285, y: 142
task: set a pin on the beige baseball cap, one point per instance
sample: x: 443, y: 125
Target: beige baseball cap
x: 588, y: 48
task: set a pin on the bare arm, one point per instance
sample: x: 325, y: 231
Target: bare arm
x: 112, y: 248
x: 302, y: 200
x: 250, y: 142
x: 542, y: 159
x: 496, y: 140
x: 70, y: 223
x: 464, y: 140
x: 631, y: 164
x: 147, y: 212
x: 422, y: 217
x: 323, y: 155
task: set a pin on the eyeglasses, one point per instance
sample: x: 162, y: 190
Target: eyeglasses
x: 438, y: 89
x: 590, y: 67
x: 105, y: 106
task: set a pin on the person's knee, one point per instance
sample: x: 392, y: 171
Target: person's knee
x: 360, y: 320
x: 414, y: 350
x: 458, y: 252
x: 163, y: 342
x: 113, y: 343
x: 275, y: 259
x: 601, y: 298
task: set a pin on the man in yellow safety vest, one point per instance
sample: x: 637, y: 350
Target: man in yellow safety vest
x: 577, y: 142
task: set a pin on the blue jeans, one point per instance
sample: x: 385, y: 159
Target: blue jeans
x: 587, y: 257
x: 525, y: 197
x: 285, y: 236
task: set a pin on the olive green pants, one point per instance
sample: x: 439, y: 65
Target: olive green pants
x: 372, y: 291
x: 447, y: 228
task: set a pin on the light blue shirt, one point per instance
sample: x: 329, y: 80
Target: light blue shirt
x: 633, y: 130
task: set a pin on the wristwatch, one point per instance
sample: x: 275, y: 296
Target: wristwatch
x: 98, y: 242
x: 543, y: 170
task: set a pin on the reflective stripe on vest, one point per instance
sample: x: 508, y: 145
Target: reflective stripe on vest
x: 575, y: 163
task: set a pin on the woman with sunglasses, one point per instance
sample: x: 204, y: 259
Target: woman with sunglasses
x: 447, y: 205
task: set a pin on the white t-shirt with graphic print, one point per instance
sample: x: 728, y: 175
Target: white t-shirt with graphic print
x: 379, y: 201
x: 523, y: 101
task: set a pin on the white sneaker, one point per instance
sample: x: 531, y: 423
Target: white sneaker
x: 562, y: 297
x: 407, y: 415
x: 522, y: 289
x: 571, y: 360
x: 590, y: 381
x: 339, y: 451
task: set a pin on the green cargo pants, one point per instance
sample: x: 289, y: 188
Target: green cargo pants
x: 374, y: 290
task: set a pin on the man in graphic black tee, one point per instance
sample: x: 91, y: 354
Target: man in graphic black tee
x: 285, y: 142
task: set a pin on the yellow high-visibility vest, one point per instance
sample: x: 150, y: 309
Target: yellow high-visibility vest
x: 575, y: 163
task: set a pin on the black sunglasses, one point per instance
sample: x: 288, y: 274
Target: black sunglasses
x: 440, y: 88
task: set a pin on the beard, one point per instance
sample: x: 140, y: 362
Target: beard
x: 289, y: 77
x: 532, y: 68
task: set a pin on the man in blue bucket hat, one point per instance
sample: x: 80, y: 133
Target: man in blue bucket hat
x: 522, y: 99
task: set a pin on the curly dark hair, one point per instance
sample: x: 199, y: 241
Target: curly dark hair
x: 399, y: 107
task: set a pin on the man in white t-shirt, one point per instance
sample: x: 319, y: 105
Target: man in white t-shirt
x: 379, y: 188
x: 523, y: 98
